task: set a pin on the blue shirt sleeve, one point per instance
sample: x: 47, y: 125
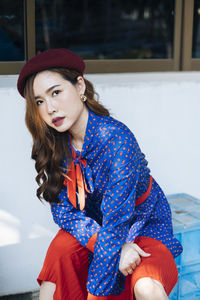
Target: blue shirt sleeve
x: 118, y: 208
x: 73, y: 220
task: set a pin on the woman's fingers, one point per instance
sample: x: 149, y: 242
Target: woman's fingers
x: 130, y: 271
x: 124, y: 272
x: 140, y: 251
x: 135, y: 263
x: 130, y: 258
x: 127, y: 271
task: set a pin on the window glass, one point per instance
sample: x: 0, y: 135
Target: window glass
x: 11, y: 30
x: 196, y: 30
x: 111, y: 29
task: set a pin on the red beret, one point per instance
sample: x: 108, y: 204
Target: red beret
x: 52, y: 58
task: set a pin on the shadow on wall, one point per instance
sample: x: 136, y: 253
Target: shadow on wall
x: 24, y: 237
x: 22, y: 251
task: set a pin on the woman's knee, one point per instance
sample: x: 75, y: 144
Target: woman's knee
x: 148, y: 288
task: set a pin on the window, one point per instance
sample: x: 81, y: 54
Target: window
x: 15, y: 34
x: 120, y: 30
x: 112, y: 35
x: 196, y: 30
x: 11, y: 31
x: 194, y: 62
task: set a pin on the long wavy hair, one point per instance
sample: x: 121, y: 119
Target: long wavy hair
x: 49, y: 146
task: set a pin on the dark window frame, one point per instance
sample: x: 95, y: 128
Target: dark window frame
x: 188, y: 63
x: 182, y: 60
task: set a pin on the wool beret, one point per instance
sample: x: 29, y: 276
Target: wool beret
x: 52, y: 58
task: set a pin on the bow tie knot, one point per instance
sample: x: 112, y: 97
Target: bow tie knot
x: 79, y: 160
x: 76, y: 180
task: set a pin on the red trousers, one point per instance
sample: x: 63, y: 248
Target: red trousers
x: 66, y: 265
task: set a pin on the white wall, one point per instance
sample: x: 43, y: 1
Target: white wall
x: 162, y: 109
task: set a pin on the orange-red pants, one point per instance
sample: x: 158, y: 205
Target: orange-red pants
x: 66, y: 265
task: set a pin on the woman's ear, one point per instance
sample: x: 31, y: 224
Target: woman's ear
x: 80, y: 85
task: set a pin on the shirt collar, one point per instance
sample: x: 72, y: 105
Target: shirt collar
x: 90, y: 132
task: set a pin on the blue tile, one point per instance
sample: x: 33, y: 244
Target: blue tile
x: 186, y: 224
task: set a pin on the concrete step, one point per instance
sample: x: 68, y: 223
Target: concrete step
x: 34, y: 295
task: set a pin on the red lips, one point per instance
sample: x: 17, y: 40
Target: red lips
x: 58, y: 121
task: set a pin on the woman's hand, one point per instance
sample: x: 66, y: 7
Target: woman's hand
x: 130, y: 258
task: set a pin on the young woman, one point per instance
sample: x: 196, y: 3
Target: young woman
x: 116, y: 239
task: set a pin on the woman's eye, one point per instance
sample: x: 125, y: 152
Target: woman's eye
x: 38, y: 102
x: 56, y: 92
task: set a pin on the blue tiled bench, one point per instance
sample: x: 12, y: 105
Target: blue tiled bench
x: 186, y: 223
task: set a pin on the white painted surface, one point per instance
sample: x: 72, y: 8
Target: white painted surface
x: 162, y: 109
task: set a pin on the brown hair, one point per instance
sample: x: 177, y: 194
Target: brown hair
x: 49, y: 146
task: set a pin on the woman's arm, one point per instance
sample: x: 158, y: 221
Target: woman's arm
x: 74, y: 221
x: 118, y: 207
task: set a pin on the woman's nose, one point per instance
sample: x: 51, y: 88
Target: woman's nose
x: 51, y: 107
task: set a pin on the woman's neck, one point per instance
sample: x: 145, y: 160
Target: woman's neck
x: 79, y: 130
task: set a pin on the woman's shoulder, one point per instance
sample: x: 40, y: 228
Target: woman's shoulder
x: 115, y: 129
x: 111, y: 133
x: 107, y: 131
x: 110, y: 125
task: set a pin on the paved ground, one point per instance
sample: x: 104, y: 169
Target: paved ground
x: 27, y: 296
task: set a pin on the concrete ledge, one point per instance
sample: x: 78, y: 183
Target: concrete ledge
x: 26, y: 296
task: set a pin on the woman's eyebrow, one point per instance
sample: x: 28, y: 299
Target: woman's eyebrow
x: 48, y: 90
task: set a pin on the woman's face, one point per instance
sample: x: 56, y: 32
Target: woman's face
x: 58, y: 101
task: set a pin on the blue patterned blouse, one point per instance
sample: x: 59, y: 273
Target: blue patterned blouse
x: 116, y: 176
